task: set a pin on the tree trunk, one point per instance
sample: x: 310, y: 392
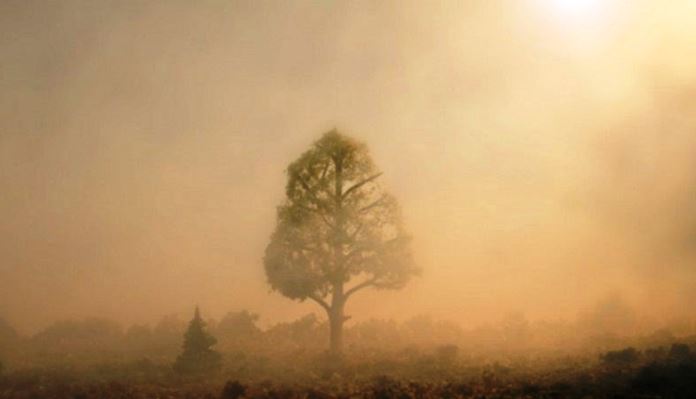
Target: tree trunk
x: 336, y: 317
x: 336, y: 320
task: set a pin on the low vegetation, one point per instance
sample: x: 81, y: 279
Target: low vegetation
x: 418, y: 358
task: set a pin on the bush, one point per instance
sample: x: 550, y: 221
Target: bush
x: 233, y: 390
x: 621, y: 357
x: 669, y: 379
x: 679, y: 351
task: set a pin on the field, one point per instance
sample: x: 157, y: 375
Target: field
x: 629, y: 373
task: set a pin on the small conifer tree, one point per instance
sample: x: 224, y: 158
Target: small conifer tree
x: 197, y: 356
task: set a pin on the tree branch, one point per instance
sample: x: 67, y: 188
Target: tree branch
x: 320, y: 301
x: 326, y: 168
x: 362, y: 183
x: 360, y: 286
x: 356, y: 250
x: 310, y: 191
x: 356, y: 232
x: 317, y: 201
x: 374, y: 204
x: 321, y: 215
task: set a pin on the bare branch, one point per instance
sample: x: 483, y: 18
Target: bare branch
x: 320, y: 301
x: 360, y: 286
x: 362, y: 183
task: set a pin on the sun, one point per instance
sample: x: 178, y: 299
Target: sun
x: 581, y: 27
x: 577, y: 9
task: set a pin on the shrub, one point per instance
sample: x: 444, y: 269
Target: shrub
x: 621, y: 357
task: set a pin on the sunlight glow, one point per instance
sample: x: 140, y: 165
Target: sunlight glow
x: 577, y: 9
x: 584, y: 25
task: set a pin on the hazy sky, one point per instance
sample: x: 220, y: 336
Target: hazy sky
x: 544, y: 151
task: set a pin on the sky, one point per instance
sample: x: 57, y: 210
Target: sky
x: 543, y: 151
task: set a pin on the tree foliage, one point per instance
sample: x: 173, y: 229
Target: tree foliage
x: 238, y: 324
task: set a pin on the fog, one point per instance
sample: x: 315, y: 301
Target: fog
x: 545, y: 161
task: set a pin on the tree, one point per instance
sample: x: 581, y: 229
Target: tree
x: 337, y: 227
x: 166, y: 335
x: 197, y: 355
x: 238, y: 324
x: 88, y: 337
x: 237, y: 330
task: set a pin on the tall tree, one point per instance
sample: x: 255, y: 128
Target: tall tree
x: 337, y: 232
x: 197, y: 355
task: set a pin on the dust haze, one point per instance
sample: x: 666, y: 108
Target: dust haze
x: 545, y: 163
